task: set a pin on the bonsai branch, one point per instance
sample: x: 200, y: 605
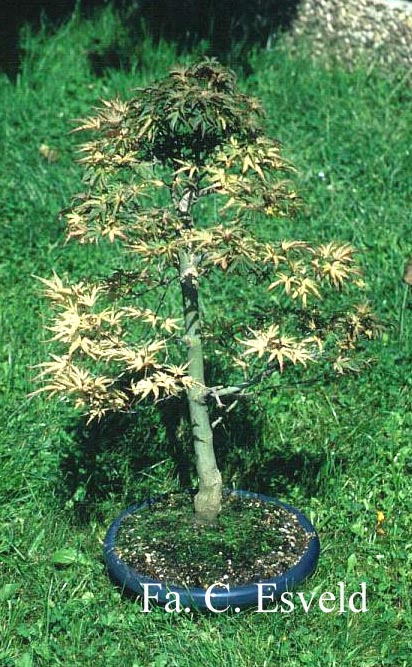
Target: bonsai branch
x: 208, y: 190
x: 239, y: 390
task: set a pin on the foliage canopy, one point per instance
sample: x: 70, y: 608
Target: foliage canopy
x: 150, y: 164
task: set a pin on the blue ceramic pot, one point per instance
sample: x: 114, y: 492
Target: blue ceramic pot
x: 217, y: 599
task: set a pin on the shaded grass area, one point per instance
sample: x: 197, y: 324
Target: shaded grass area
x: 338, y: 448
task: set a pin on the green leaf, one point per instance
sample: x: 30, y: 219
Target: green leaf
x: 173, y: 118
x: 25, y: 660
x: 110, y: 619
x: 351, y: 563
x: 358, y: 529
x: 36, y: 542
x: 69, y: 556
x: 8, y: 591
x: 27, y: 631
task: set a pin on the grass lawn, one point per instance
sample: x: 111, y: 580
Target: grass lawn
x: 339, y: 449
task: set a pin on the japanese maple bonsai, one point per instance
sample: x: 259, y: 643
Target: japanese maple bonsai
x: 153, y: 163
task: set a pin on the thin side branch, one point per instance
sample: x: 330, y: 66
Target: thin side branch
x: 239, y: 390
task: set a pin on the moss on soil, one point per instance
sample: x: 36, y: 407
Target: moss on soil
x: 252, y: 541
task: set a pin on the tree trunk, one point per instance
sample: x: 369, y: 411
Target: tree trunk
x: 208, y: 499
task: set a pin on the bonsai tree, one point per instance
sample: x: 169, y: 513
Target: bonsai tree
x: 151, y: 168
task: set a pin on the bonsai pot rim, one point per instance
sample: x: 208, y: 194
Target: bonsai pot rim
x: 221, y: 599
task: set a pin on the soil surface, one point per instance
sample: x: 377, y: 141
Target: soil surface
x: 251, y: 541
